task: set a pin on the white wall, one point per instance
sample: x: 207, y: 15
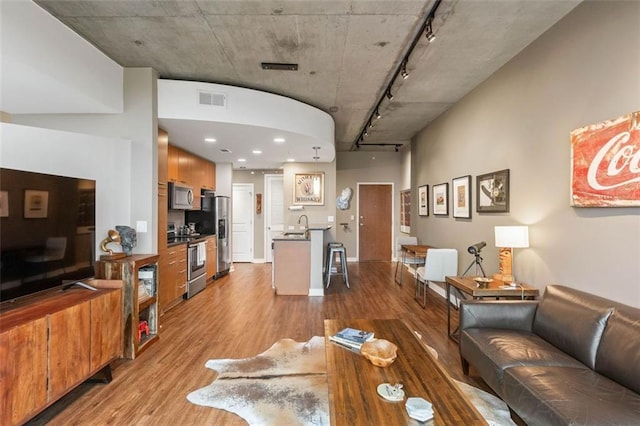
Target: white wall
x: 47, y: 68
x: 105, y: 160
x: 137, y: 123
x: 583, y: 70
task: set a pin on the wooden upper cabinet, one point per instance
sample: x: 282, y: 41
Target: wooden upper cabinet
x: 163, y: 156
x: 173, y: 160
x: 209, y: 181
x: 190, y: 169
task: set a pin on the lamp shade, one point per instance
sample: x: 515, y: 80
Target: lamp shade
x: 512, y: 236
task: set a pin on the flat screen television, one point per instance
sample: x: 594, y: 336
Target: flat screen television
x: 47, y: 232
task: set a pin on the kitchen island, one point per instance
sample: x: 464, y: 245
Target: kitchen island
x: 298, y: 259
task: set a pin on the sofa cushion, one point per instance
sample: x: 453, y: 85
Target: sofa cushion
x: 618, y: 355
x: 492, y: 350
x: 572, y: 321
x: 568, y: 396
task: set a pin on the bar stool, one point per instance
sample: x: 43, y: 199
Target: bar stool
x: 339, y: 249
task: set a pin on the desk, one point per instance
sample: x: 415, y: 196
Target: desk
x: 417, y: 254
x: 466, y: 288
x: 353, y: 399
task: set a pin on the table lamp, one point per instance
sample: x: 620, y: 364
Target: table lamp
x: 508, y: 238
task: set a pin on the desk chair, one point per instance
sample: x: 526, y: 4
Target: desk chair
x: 403, y: 257
x: 437, y: 265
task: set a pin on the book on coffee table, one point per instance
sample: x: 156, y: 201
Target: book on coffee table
x: 351, y: 338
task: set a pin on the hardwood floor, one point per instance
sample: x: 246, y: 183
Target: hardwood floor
x: 239, y: 316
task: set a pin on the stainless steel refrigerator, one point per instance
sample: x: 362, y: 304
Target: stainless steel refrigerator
x: 222, y: 209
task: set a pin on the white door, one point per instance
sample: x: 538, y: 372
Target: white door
x: 242, y: 227
x: 274, y: 211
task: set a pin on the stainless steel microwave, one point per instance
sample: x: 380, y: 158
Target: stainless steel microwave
x: 180, y: 196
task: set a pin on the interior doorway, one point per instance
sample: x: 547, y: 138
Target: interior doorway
x: 242, y: 227
x: 375, y: 221
x: 274, y: 211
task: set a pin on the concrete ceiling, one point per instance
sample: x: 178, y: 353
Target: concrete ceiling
x: 347, y: 50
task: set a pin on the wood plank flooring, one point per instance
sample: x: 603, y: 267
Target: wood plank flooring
x: 239, y: 316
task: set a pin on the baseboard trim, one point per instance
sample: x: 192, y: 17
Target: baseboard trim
x: 316, y: 292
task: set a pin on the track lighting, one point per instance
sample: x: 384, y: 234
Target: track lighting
x: 404, y: 72
x: 429, y: 33
x: 389, y: 94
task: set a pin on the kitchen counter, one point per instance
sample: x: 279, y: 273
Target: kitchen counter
x: 188, y: 239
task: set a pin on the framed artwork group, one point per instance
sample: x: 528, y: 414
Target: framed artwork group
x: 492, y: 195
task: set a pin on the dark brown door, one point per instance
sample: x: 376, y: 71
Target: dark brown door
x: 375, y: 222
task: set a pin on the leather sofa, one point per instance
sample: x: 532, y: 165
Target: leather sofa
x: 571, y: 358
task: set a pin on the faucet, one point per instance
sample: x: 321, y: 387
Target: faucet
x: 306, y: 227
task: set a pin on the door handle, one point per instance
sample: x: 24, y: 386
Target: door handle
x: 361, y: 224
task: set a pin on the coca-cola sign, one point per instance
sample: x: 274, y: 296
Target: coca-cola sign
x: 605, y: 163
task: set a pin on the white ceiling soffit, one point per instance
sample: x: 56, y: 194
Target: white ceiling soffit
x: 51, y: 69
x: 243, y: 121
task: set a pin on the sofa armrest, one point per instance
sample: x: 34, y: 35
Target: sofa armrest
x: 514, y: 315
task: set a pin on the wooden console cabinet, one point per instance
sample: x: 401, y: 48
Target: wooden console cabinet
x: 139, y: 275
x: 51, y: 343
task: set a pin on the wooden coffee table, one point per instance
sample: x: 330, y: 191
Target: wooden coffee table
x: 353, y: 380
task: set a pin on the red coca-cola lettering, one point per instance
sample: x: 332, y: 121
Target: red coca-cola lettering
x: 621, y: 157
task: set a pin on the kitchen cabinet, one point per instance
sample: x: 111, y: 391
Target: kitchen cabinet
x: 53, y: 342
x: 139, y: 275
x: 173, y: 163
x: 173, y: 277
x: 212, y: 255
x: 188, y: 168
x: 163, y: 157
x: 209, y: 176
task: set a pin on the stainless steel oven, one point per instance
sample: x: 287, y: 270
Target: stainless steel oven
x: 196, y: 267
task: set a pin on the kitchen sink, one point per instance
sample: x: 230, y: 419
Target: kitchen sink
x: 295, y: 234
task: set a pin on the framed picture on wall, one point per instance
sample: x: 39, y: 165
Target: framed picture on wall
x: 461, y: 197
x: 308, y: 189
x: 405, y: 211
x: 441, y: 199
x: 492, y: 192
x: 4, y: 204
x: 36, y: 204
x: 423, y: 200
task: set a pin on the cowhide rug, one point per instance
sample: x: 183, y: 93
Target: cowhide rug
x: 287, y: 385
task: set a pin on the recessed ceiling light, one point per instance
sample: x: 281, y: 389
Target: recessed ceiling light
x: 291, y: 160
x: 257, y: 151
x: 279, y: 140
x: 209, y: 139
x: 242, y: 160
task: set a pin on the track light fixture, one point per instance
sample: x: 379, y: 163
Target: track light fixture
x: 378, y: 116
x: 404, y: 72
x: 429, y: 32
x: 389, y: 95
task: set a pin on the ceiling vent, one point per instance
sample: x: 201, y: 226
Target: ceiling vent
x: 212, y: 99
x: 278, y: 66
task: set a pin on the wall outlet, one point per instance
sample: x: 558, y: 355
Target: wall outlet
x: 330, y: 219
x: 291, y: 228
x: 353, y: 217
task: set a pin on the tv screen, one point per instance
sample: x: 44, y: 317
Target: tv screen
x: 47, y: 232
